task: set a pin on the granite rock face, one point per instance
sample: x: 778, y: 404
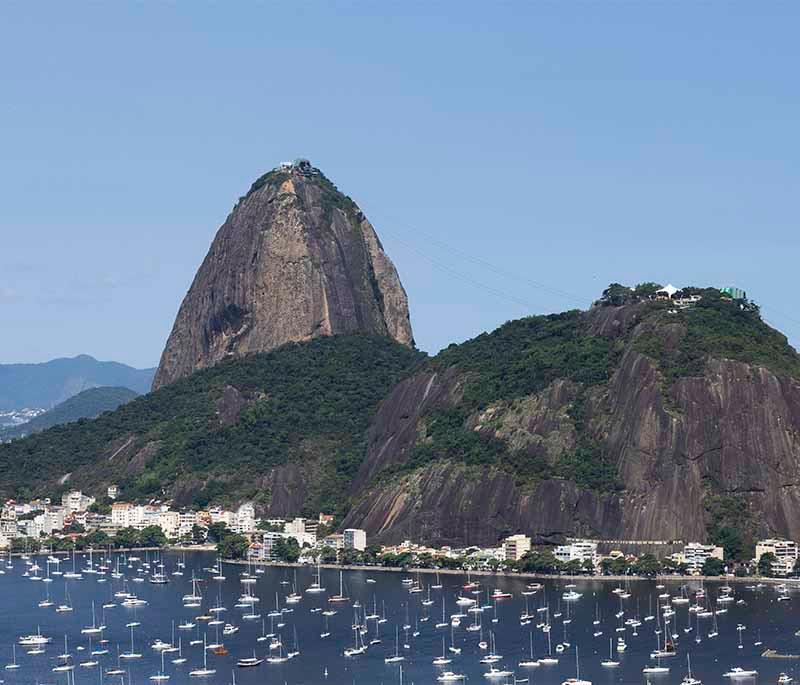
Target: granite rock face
x: 294, y: 260
x: 732, y: 431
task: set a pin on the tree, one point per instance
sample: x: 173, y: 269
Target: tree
x: 351, y: 556
x: 573, y: 567
x: 286, y: 549
x: 616, y: 295
x: 796, y: 568
x: 218, y: 531
x: 127, y: 538
x: 647, y: 565
x: 540, y: 562
x: 152, y: 536
x: 588, y: 566
x: 765, y: 563
x: 327, y: 555
x: 198, y: 534
x: 100, y: 507
x: 268, y: 527
x: 617, y: 566
x: 233, y: 546
x: 95, y: 539
x: 713, y: 567
x: 74, y: 527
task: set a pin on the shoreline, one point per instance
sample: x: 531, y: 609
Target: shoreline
x: 750, y: 580
x: 504, y: 574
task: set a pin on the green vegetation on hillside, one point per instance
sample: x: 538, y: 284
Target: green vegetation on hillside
x: 518, y: 359
x: 731, y: 525
x: 716, y: 328
x: 307, y: 403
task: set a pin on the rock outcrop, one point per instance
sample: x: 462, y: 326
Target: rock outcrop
x: 732, y: 432
x: 295, y: 259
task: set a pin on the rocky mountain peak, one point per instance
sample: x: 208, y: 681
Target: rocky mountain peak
x: 294, y: 260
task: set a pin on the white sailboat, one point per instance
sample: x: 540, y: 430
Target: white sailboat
x: 577, y: 679
x: 205, y: 671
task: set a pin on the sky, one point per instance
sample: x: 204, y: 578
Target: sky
x: 515, y: 158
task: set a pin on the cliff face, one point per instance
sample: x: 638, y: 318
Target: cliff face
x: 731, y: 433
x: 294, y: 260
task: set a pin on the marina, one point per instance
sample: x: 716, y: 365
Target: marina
x: 166, y: 616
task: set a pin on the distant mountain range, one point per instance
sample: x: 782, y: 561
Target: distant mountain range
x: 85, y: 405
x: 43, y: 386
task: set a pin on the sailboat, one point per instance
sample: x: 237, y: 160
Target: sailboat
x: 90, y: 662
x: 438, y: 584
x: 341, y: 596
x: 13, y: 665
x: 118, y: 670
x: 610, y: 662
x: 160, y: 676
x: 549, y: 659
x: 453, y: 649
x: 397, y: 656
x: 180, y: 659
x: 296, y: 649
x: 131, y: 654
x: 327, y: 632
x: 249, y: 661
x: 67, y: 605
x: 316, y: 586
x: 205, y: 671
x: 529, y: 662
x: 443, y: 623
x: 357, y: 648
x: 93, y: 629
x: 688, y: 678
x: 441, y: 660
x: 577, y: 679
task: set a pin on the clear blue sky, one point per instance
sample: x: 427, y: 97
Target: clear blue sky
x: 565, y: 144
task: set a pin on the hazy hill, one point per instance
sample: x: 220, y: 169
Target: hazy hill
x: 50, y: 383
x: 85, y: 405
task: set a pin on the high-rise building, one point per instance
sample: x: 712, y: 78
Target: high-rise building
x: 785, y: 552
x: 515, y: 547
x: 355, y: 538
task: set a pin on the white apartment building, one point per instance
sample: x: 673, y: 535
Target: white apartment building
x: 334, y: 541
x: 355, y: 538
x: 245, y: 519
x: 169, y: 522
x: 122, y: 514
x: 55, y: 517
x: 579, y: 550
x: 785, y: 552
x: 76, y: 501
x: 127, y: 515
x: 112, y: 492
x: 304, y: 530
x: 186, y: 521
x: 515, y: 546
x: 219, y: 515
x: 695, y: 554
x: 270, y: 538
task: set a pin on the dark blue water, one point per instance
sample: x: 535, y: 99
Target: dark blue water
x: 760, y: 614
